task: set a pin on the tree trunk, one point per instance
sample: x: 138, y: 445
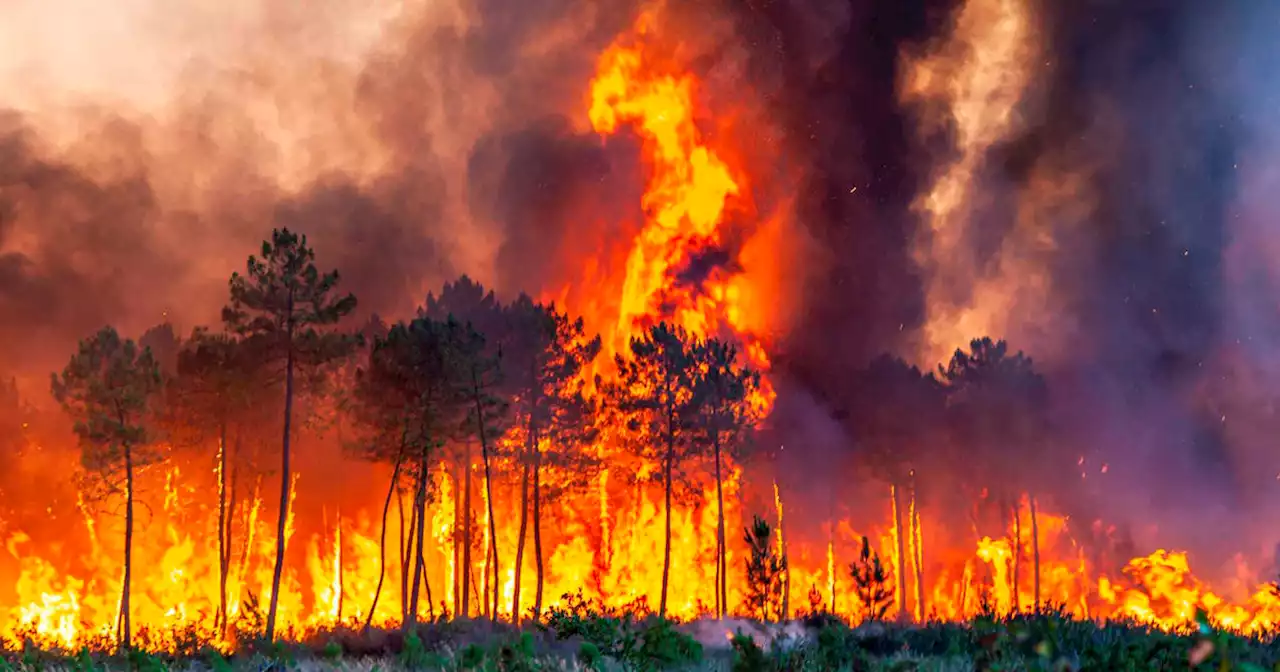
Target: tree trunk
x: 666, y: 547
x: 228, y: 528
x: 125, y: 624
x: 459, y: 583
x: 281, y: 524
x: 1035, y: 554
x: 537, y: 528
x: 918, y: 543
x: 406, y: 545
x: 382, y: 542
x: 467, y: 569
x: 1017, y: 555
x: 524, y: 524
x: 895, y: 501
x: 338, y: 617
x: 722, y: 591
x: 488, y: 489
x: 426, y: 576
x: 220, y: 618
x: 420, y: 528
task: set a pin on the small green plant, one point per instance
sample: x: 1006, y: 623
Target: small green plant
x: 590, y: 657
x: 765, y: 572
x: 747, y: 655
x: 332, y: 651
x: 413, y: 655
x: 872, y: 583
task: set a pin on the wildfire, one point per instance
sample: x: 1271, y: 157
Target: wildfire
x: 602, y: 538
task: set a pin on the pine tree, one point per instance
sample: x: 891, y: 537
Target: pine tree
x: 107, y: 388
x: 723, y: 399
x: 214, y: 391
x: 551, y: 414
x: 764, y: 572
x: 871, y: 583
x: 286, y: 309
x: 654, y: 392
x: 409, y: 400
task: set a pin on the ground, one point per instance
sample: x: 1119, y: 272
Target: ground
x: 595, y: 641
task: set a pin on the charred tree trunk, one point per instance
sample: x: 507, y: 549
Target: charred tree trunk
x: 126, y: 629
x: 1035, y: 554
x: 220, y: 618
x: 282, y: 523
x: 537, y: 528
x: 406, y: 545
x: 524, y: 525
x: 426, y: 576
x: 382, y: 541
x: 420, y: 528
x: 468, y: 579
x: 341, y: 593
x: 1016, y: 547
x: 895, y: 501
x: 488, y: 489
x: 917, y: 536
x: 459, y: 573
x: 666, y: 547
x: 228, y: 527
x: 722, y: 590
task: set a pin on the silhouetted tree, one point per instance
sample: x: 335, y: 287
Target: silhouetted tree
x: 543, y: 365
x: 164, y: 344
x: 724, y: 411
x: 410, y: 400
x: 654, y: 391
x: 468, y: 302
x: 897, y: 416
x: 486, y: 422
x: 764, y: 572
x: 286, y: 309
x: 871, y: 583
x: 107, y: 389
x: 214, y: 389
x: 998, y: 405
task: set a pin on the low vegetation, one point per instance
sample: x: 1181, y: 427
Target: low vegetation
x: 581, y: 635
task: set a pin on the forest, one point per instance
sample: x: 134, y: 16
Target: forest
x: 523, y: 395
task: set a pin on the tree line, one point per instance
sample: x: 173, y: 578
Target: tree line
x: 512, y: 382
x: 467, y: 373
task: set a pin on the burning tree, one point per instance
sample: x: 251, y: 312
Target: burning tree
x: 544, y: 362
x: 765, y: 570
x: 896, y: 415
x: 485, y: 422
x: 724, y: 410
x: 107, y: 389
x: 654, y: 391
x: 286, y: 310
x: 408, y: 400
x: 213, y: 393
x: 997, y: 401
x: 469, y: 302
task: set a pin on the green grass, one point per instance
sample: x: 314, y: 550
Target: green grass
x: 579, y: 637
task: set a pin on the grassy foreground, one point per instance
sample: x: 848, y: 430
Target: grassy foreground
x: 581, y: 639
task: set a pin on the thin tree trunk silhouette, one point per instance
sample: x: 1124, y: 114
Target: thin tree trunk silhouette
x: 282, y: 523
